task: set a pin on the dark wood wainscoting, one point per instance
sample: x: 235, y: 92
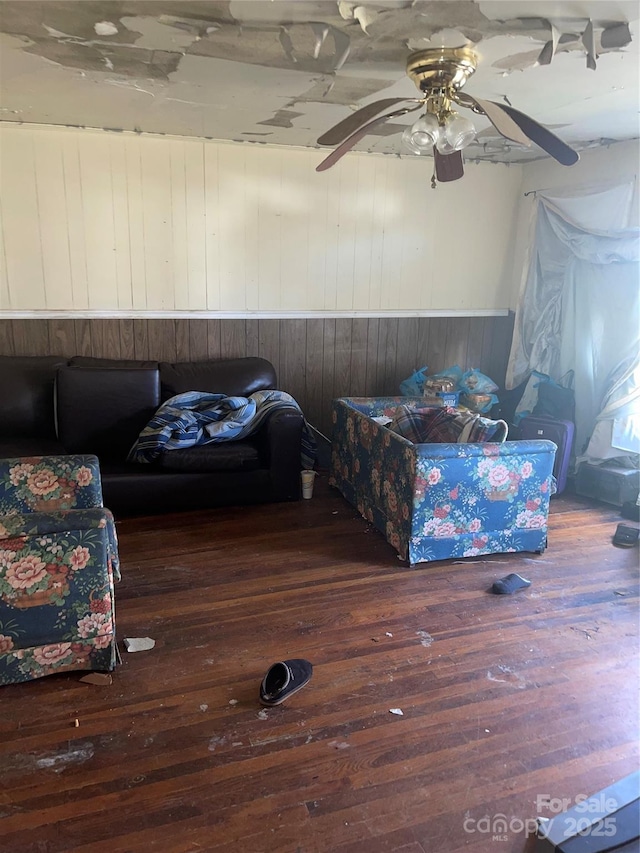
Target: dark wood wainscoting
x: 316, y: 359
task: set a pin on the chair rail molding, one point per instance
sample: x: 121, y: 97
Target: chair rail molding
x: 52, y: 314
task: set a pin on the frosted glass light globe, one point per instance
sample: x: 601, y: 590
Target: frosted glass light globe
x: 408, y: 142
x: 443, y: 146
x: 459, y: 132
x: 424, y: 132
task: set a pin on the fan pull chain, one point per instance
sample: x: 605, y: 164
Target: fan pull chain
x: 433, y: 179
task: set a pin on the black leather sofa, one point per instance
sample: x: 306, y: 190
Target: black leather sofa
x: 51, y: 405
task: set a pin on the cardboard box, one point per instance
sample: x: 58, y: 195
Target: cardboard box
x: 608, y: 820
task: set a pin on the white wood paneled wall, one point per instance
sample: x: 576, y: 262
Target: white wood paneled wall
x: 93, y: 221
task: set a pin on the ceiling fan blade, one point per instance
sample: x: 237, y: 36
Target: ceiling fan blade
x: 449, y: 167
x: 350, y: 141
x: 543, y: 137
x: 351, y: 123
x: 503, y: 123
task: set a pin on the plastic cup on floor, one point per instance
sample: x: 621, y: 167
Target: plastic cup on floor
x: 307, y: 478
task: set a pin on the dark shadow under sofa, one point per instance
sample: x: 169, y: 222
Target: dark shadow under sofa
x: 51, y: 405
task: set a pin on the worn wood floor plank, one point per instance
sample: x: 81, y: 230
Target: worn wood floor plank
x: 504, y: 698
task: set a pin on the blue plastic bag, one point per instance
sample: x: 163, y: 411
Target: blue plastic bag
x: 454, y: 373
x: 413, y: 386
x: 474, y: 382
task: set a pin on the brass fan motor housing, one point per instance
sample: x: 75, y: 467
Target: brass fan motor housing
x: 441, y: 69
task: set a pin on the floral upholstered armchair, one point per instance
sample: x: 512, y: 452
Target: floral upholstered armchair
x: 435, y: 500
x: 58, y: 562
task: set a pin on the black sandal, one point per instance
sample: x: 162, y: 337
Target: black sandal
x: 283, y: 679
x: 510, y: 584
x: 626, y: 536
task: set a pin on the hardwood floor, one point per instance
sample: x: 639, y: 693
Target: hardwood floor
x: 505, y: 699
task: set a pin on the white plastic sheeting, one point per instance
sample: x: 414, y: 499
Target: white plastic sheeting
x: 580, y: 308
x: 617, y: 428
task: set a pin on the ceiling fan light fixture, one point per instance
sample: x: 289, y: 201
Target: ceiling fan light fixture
x: 408, y: 143
x: 458, y: 132
x: 423, y: 133
x: 439, y: 74
x: 443, y: 146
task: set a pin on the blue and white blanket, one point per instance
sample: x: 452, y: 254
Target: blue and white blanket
x: 197, y: 417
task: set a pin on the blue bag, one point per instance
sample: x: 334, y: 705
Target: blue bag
x: 413, y: 386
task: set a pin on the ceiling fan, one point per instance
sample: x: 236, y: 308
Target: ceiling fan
x: 440, y: 73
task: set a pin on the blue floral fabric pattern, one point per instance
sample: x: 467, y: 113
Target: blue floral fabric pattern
x: 58, y: 564
x: 437, y: 501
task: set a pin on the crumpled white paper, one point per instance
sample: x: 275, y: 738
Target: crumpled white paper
x: 138, y: 644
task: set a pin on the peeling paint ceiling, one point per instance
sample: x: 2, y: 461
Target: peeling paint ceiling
x: 284, y: 71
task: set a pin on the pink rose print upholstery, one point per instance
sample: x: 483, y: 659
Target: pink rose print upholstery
x: 437, y: 501
x: 58, y: 564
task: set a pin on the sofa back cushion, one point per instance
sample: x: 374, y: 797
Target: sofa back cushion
x: 116, y: 363
x: 102, y: 410
x: 237, y: 377
x: 26, y: 392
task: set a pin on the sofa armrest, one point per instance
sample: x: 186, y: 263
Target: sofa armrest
x: 49, y: 483
x: 16, y: 530
x: 468, y: 451
x: 280, y: 441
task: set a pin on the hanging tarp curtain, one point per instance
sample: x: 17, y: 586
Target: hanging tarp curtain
x: 580, y: 309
